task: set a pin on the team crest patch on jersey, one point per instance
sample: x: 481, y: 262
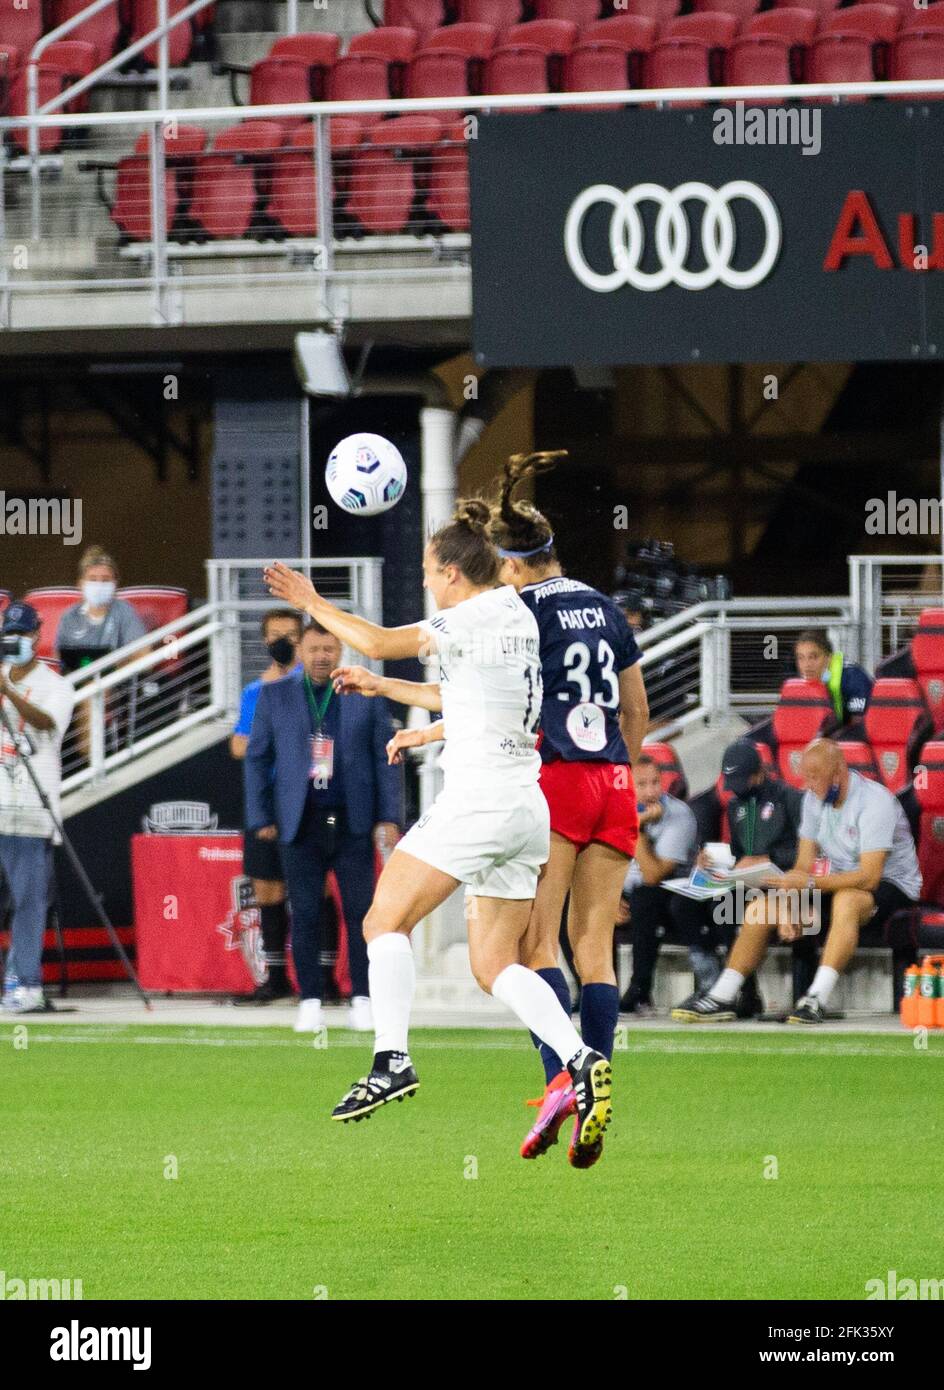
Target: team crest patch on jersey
x: 586, y: 725
x: 767, y: 810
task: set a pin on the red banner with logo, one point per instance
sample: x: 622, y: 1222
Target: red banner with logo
x: 195, y: 928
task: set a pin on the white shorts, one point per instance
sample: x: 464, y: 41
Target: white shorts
x: 495, y: 843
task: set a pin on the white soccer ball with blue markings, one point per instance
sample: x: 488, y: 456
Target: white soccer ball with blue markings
x: 366, y: 474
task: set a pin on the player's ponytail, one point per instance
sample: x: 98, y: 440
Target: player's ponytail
x: 518, y: 527
x: 464, y: 542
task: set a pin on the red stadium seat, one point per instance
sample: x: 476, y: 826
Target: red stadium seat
x: 475, y: 40
x: 144, y: 18
x: 183, y: 142
x: 555, y: 36
x: 601, y: 67
x: 156, y: 605
x: 741, y: 9
x: 767, y: 758
x: 131, y: 209
x: 383, y: 183
x: 927, y: 653
x: 759, y: 58
x: 281, y: 82
x: 49, y: 83
x: 501, y: 13
x: 931, y: 18
x: 293, y: 203
x: 860, y: 758
x: 360, y: 77
x: 715, y: 27
x: 929, y: 790
x: 316, y: 50
x: 395, y: 45
x: 803, y: 712
x: 101, y: 30
x: 918, y: 52
x: 895, y: 719
x: 674, y: 781
x: 876, y: 22
x: 679, y: 63
x: 634, y: 32
x: 422, y: 15
x: 74, y: 58
x: 21, y: 25
x: 448, y: 197
x: 580, y: 12
x: 840, y: 58
x: 227, y: 182
x: 439, y: 72
x: 796, y: 24
x: 50, y: 604
x: 515, y: 69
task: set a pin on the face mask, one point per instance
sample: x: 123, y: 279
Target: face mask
x: 281, y: 650
x: 24, y: 653
x: 98, y: 593
x: 832, y: 796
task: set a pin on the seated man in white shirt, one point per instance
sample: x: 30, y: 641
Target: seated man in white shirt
x: 855, y: 835
x: 37, y: 705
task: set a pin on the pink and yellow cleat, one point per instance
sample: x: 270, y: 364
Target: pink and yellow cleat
x: 556, y: 1105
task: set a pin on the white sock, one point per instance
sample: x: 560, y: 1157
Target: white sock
x: 824, y: 982
x: 538, y: 1007
x: 725, y: 988
x: 392, y: 975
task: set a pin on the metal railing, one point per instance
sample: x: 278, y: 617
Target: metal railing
x: 888, y: 593
x: 165, y: 23
x: 175, y: 263
x: 732, y: 656
x: 193, y: 670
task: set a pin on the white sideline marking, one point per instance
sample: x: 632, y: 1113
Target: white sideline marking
x: 815, y: 1047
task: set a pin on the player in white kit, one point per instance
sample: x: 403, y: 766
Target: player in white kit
x: 488, y: 828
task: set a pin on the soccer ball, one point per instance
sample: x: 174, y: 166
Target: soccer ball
x: 365, y: 474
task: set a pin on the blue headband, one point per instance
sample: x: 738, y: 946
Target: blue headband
x: 525, y: 554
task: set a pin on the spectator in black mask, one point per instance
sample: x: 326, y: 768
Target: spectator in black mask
x: 281, y: 630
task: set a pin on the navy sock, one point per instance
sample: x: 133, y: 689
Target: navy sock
x: 555, y: 978
x: 599, y: 1011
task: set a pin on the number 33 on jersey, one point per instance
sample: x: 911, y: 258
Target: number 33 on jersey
x: 585, y: 643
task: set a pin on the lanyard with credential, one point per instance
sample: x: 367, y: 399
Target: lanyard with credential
x: 751, y: 824
x: 318, y: 712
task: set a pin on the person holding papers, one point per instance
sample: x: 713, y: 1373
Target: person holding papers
x: 764, y: 821
x: 855, y: 864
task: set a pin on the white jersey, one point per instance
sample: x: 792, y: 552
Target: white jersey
x: 490, y: 680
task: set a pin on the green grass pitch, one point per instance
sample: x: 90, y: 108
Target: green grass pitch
x: 429, y: 1199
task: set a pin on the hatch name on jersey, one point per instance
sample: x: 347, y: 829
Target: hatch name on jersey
x: 579, y: 619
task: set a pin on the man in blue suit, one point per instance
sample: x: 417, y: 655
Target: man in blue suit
x: 318, y: 781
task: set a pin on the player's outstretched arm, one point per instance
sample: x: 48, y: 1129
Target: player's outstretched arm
x: 376, y: 643
x: 350, y: 680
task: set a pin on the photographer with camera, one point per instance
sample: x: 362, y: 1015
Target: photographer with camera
x: 36, y: 706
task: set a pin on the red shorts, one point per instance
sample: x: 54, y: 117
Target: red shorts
x: 592, y: 802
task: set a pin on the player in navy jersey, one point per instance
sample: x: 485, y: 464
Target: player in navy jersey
x: 593, y: 719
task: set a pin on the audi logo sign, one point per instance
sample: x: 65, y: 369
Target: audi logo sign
x: 613, y: 237
x: 672, y: 236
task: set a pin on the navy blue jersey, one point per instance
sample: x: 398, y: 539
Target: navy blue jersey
x: 585, y: 643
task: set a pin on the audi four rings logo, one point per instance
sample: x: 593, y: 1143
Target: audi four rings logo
x: 672, y: 236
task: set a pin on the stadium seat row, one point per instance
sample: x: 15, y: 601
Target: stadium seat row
x: 155, y: 605
x: 426, y: 15
x: 258, y: 179
x: 23, y: 22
